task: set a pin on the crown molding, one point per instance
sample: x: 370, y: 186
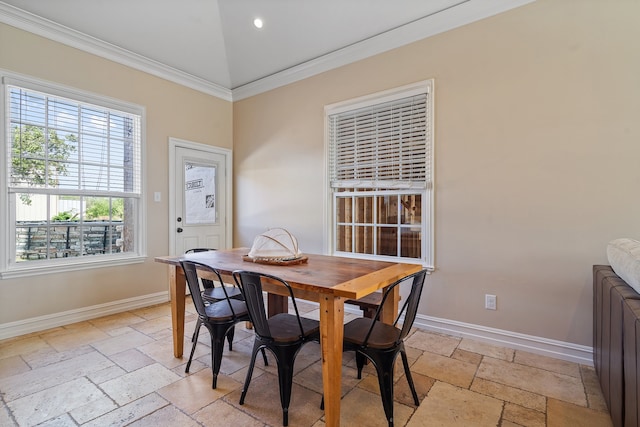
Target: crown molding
x: 463, y: 13
x: 43, y: 27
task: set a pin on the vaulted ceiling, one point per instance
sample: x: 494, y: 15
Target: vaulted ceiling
x: 213, y: 45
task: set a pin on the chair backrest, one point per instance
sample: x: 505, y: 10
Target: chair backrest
x: 194, y: 250
x: 250, y: 284
x: 206, y: 283
x: 409, y: 308
x: 191, y: 269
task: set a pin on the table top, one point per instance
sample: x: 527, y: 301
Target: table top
x: 351, y: 278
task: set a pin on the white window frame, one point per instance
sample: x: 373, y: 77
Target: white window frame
x: 427, y: 225
x: 8, y: 267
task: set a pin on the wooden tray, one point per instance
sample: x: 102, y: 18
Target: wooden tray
x: 276, y: 261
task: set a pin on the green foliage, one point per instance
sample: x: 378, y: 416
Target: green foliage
x: 98, y: 208
x: 36, y: 160
x: 25, y: 199
x: 65, y: 216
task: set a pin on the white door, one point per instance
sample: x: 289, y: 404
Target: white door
x: 200, y: 200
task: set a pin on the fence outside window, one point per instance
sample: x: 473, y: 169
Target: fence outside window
x: 36, y: 240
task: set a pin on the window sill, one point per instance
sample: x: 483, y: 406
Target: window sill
x: 26, y: 269
x: 425, y: 264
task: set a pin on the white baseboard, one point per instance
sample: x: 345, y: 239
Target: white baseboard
x: 36, y: 324
x: 547, y: 347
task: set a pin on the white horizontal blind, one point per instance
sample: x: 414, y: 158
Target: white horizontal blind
x: 381, y: 146
x: 84, y: 148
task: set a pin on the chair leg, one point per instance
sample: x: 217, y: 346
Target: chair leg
x: 286, y: 358
x: 247, y: 381
x: 230, y: 335
x: 218, y: 333
x: 196, y: 331
x: 285, y: 378
x: 194, y: 340
x: 407, y: 373
x: 193, y: 349
x: 384, y: 364
x: 361, y: 360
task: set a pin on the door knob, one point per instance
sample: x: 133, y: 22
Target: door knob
x: 179, y: 230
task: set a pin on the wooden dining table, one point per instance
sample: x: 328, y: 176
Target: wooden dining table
x: 327, y: 280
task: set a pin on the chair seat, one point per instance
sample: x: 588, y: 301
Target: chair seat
x: 220, y: 311
x: 217, y: 293
x: 382, y: 336
x: 284, y: 327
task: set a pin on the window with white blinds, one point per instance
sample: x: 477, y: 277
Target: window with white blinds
x: 380, y: 175
x: 382, y: 145
x: 74, y: 177
x: 58, y: 144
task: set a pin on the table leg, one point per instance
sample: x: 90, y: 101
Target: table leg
x: 276, y: 304
x: 390, y: 308
x: 331, y: 333
x: 177, y: 288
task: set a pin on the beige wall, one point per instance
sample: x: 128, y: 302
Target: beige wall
x: 537, y: 158
x: 537, y: 150
x: 171, y: 111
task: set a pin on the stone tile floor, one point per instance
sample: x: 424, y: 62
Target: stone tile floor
x: 119, y: 370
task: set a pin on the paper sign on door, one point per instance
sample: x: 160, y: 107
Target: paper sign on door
x: 200, y: 194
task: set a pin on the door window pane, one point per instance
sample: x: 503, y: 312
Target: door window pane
x: 200, y: 194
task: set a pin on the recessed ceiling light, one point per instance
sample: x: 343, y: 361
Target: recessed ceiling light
x: 257, y: 22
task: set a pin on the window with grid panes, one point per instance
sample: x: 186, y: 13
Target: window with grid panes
x: 380, y: 158
x: 73, y: 182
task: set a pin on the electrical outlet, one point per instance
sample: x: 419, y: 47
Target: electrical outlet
x: 490, y: 302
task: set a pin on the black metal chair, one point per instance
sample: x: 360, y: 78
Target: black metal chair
x: 218, y: 317
x: 381, y: 343
x: 283, y: 334
x: 211, y: 293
